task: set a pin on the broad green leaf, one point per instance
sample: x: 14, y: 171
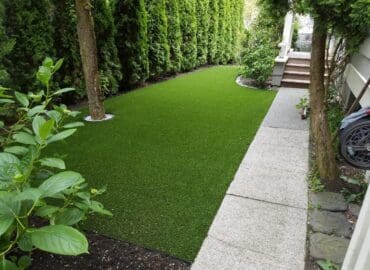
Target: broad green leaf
x: 62, y: 91
x: 53, y: 162
x: 60, y: 239
x: 44, y: 75
x: 24, y: 262
x: 74, y: 125
x: 46, y: 128
x: 2, y: 124
x: 5, y: 222
x: 60, y: 182
x: 7, y: 265
x: 25, y: 138
x: 37, y: 123
x: 35, y: 110
x: 48, y: 62
x: 17, y: 150
x: 46, y: 210
x: 55, y: 115
x: 62, y: 135
x: 58, y: 65
x: 6, y: 100
x: 30, y: 194
x: 69, y: 216
x: 99, y: 208
x: 25, y: 242
x: 7, y: 158
x: 22, y: 98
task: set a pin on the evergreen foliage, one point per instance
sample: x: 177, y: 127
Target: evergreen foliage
x: 213, y: 31
x: 66, y: 46
x: 132, y: 41
x: 105, y: 31
x: 28, y: 23
x: 137, y: 40
x: 158, y: 49
x: 6, y: 45
x: 189, y: 34
x: 202, y: 31
x: 174, y: 35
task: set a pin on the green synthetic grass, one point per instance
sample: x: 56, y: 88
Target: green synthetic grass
x: 168, y: 157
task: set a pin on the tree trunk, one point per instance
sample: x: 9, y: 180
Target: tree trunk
x: 324, y: 152
x: 89, y: 57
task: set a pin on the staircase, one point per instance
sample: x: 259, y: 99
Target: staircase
x: 297, y: 72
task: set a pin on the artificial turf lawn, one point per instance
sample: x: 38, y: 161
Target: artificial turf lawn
x: 168, y: 157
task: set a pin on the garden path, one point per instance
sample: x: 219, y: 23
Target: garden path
x: 262, y: 221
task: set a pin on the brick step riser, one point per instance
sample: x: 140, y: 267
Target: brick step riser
x: 299, y: 61
x: 299, y: 69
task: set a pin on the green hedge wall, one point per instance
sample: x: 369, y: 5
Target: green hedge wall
x: 132, y: 41
x: 159, y: 52
x: 174, y: 35
x: 137, y: 40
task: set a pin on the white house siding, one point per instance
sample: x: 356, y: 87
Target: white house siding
x: 356, y: 74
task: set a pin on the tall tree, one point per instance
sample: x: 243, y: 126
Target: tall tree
x: 174, y: 35
x: 109, y: 64
x: 202, y: 31
x: 189, y: 34
x: 89, y: 57
x: 132, y: 41
x: 29, y: 24
x: 157, y: 38
x: 6, y: 45
x: 213, y: 31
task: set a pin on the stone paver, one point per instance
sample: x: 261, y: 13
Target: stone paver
x: 354, y: 209
x: 328, y: 201
x: 332, y: 248
x: 330, y: 223
x: 262, y: 222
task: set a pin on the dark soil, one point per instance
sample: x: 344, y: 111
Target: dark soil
x: 109, y: 254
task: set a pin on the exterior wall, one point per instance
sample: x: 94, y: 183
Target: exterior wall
x: 356, y: 74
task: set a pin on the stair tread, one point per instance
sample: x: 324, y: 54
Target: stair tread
x: 294, y: 72
x: 296, y: 81
x: 297, y: 65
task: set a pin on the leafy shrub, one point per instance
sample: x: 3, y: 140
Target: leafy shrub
x: 174, y: 35
x: 258, y: 57
x: 40, y: 201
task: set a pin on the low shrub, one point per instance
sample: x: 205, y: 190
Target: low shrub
x: 40, y: 201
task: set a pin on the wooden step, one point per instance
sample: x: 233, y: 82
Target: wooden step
x: 296, y: 75
x: 297, y: 67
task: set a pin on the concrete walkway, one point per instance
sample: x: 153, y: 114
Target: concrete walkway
x: 261, y: 224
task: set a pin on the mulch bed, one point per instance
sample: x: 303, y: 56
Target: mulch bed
x: 108, y: 254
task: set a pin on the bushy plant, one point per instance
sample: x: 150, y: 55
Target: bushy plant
x: 157, y: 38
x: 258, y: 57
x: 203, y: 20
x: 132, y: 41
x: 189, y: 34
x: 213, y: 31
x: 29, y: 24
x: 6, y: 45
x: 40, y: 201
x: 174, y: 35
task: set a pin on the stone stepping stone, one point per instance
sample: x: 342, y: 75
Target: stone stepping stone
x: 330, y: 223
x: 328, y: 201
x: 354, y: 209
x: 326, y: 247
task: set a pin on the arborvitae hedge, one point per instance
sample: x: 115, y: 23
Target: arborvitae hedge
x: 202, y: 31
x: 29, y: 24
x: 132, y: 41
x: 157, y: 38
x: 66, y: 46
x: 6, y: 46
x: 213, y: 31
x: 133, y: 38
x: 174, y: 36
x: 188, y: 22
x: 105, y: 31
